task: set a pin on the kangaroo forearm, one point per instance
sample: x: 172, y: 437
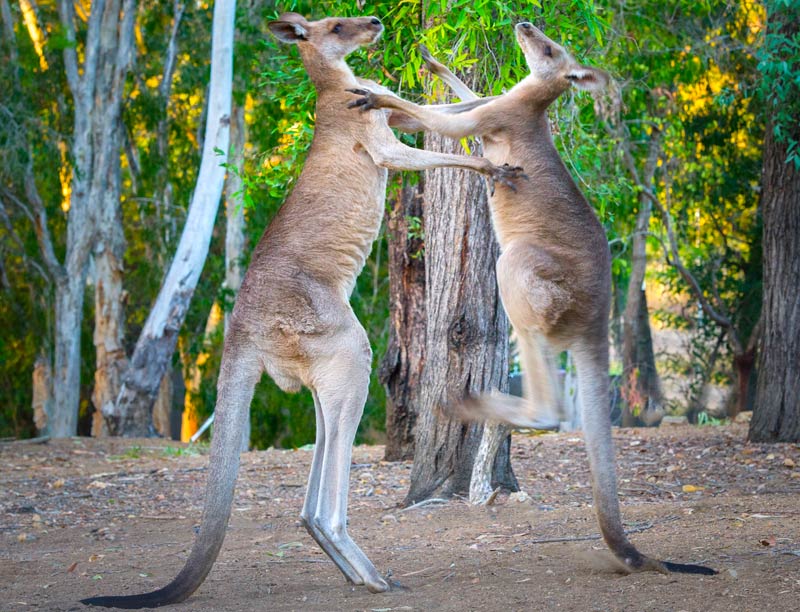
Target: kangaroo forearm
x: 406, y: 158
x: 454, y: 126
x: 460, y: 107
x: 410, y: 125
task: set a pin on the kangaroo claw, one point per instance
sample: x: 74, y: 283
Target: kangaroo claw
x: 366, y: 101
x: 506, y: 175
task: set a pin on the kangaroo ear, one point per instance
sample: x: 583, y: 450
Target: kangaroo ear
x: 589, y: 79
x: 288, y: 29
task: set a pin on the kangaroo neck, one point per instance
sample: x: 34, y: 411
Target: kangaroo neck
x: 327, y: 74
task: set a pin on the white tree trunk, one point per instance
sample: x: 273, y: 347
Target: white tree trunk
x: 157, y: 341
x: 62, y: 421
x: 234, y: 224
x: 480, y: 485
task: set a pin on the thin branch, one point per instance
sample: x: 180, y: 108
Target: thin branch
x: 8, y: 28
x: 40, y: 225
x: 66, y: 12
x: 674, y: 259
x: 12, y: 232
x: 755, y: 335
x: 91, y: 51
x: 172, y: 50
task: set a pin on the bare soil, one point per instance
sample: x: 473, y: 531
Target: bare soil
x: 85, y: 517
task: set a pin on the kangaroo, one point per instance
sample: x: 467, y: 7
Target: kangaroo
x: 554, y: 268
x: 292, y: 318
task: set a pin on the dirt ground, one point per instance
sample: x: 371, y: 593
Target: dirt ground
x: 84, y: 517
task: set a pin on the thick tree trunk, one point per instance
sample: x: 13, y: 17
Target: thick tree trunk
x: 776, y: 417
x: 641, y: 386
x: 156, y: 344
x: 466, y: 349
x: 401, y: 367
x: 109, y: 296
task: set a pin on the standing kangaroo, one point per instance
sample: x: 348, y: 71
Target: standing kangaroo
x: 292, y: 318
x: 554, y: 270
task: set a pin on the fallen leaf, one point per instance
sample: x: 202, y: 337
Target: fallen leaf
x: 72, y: 567
x: 788, y: 462
x: 689, y: 488
x: 770, y: 541
x: 58, y: 483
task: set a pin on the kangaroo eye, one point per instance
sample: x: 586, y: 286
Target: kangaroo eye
x: 337, y: 28
x: 548, y: 51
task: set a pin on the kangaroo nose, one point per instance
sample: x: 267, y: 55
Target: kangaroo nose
x: 375, y: 21
x: 525, y: 25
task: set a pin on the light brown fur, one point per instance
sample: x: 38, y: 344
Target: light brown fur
x: 292, y: 318
x: 554, y: 269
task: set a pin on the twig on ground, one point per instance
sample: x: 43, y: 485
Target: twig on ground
x: 39, y: 440
x: 425, y: 502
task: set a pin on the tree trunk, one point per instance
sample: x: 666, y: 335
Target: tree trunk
x: 641, y: 386
x: 466, y: 349
x: 743, y: 364
x: 776, y: 417
x: 109, y: 302
x: 62, y: 422
x: 156, y: 344
x: 42, y: 393
x: 162, y: 408
x: 234, y: 224
x: 402, y: 365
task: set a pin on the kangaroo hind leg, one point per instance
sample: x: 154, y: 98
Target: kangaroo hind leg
x: 341, y: 382
x: 312, y: 500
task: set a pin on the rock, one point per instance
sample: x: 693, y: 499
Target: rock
x: 519, y: 496
x: 669, y: 421
x: 743, y: 417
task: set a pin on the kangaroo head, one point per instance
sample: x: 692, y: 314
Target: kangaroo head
x: 552, y: 63
x: 332, y: 38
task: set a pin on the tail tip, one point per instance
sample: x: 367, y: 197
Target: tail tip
x: 689, y: 568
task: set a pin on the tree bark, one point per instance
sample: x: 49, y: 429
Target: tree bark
x: 42, y: 392
x: 776, y: 416
x: 466, y: 348
x: 402, y: 364
x: 62, y: 422
x: 156, y: 343
x: 234, y: 225
x: 109, y: 315
x: 641, y: 385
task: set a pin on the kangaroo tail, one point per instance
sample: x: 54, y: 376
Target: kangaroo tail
x: 237, y: 380
x: 592, y: 365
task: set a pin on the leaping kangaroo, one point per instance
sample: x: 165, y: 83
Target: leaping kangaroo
x: 554, y: 270
x: 292, y: 318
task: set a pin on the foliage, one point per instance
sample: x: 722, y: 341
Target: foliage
x: 689, y: 72
x: 779, y: 65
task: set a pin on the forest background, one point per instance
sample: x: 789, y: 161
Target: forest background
x: 672, y: 162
